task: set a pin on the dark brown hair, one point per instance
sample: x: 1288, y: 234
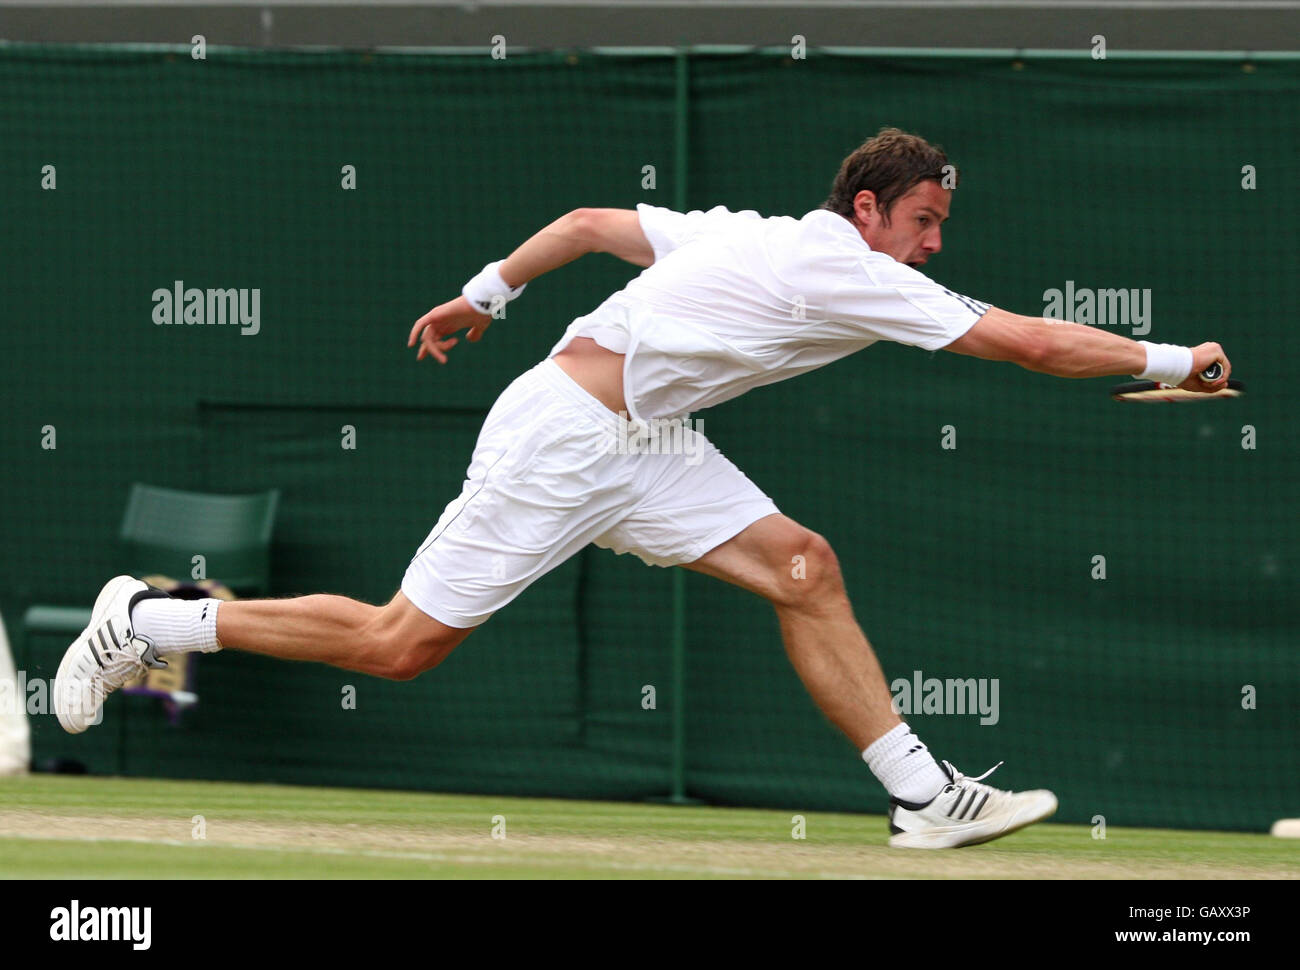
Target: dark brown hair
x: 890, y: 165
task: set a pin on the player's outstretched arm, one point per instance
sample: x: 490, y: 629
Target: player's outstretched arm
x: 582, y: 231
x: 1065, y: 349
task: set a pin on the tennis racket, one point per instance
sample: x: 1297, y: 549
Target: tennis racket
x: 1154, y: 392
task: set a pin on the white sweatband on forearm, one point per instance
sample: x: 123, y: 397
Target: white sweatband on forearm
x: 483, y: 289
x: 1167, y: 363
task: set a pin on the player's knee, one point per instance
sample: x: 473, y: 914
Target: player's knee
x: 823, y: 566
x: 405, y: 664
x: 402, y: 646
x: 408, y: 657
x: 814, y: 581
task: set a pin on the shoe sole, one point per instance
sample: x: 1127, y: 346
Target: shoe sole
x: 955, y: 836
x: 97, y: 614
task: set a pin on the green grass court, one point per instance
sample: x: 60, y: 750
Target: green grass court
x: 116, y: 828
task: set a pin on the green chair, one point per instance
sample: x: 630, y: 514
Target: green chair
x: 163, y: 531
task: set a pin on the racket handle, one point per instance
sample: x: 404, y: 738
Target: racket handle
x: 1212, y: 373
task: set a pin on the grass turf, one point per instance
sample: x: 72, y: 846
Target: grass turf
x: 72, y: 828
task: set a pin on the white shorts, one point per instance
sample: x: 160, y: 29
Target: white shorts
x: 553, y: 471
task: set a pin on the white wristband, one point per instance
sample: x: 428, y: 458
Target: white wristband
x: 1167, y: 363
x: 483, y: 289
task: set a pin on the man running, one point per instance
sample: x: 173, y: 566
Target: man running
x: 728, y: 301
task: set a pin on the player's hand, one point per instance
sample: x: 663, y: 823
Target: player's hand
x: 434, y: 330
x: 1203, y: 356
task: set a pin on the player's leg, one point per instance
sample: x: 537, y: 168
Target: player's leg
x: 542, y: 483
x: 134, y: 626
x: 700, y: 511
x: 795, y: 570
x: 396, y: 641
x: 932, y: 805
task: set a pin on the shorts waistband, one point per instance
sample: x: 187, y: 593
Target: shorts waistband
x: 553, y: 376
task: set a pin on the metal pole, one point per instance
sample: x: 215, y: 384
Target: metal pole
x: 681, y: 135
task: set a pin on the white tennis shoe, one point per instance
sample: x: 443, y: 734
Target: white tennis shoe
x: 965, y: 813
x: 107, y: 654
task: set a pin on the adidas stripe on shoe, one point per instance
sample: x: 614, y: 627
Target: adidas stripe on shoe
x: 966, y: 812
x: 107, y: 654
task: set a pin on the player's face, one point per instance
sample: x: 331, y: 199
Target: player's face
x: 912, y: 235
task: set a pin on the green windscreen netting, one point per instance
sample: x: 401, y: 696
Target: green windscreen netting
x: 1123, y: 577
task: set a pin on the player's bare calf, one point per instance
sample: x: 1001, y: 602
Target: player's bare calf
x: 396, y: 641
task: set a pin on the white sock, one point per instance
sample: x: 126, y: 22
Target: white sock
x: 904, y: 765
x: 178, y: 626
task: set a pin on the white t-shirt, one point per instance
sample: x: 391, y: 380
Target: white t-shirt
x: 734, y: 301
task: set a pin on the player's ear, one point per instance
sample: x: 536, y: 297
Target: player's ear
x: 864, y: 204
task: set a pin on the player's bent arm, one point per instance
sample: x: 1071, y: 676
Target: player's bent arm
x: 582, y: 231
x: 1050, y: 347
x: 616, y: 231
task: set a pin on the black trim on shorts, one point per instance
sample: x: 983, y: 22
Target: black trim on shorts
x: 482, y: 485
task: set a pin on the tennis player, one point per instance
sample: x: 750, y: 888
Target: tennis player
x: 727, y: 302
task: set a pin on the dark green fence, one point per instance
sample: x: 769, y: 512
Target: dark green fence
x: 1165, y: 693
